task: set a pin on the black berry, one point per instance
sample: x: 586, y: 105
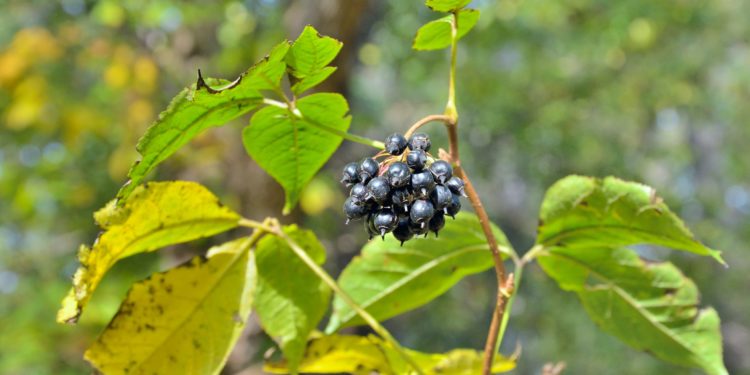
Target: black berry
x: 395, y: 144
x: 385, y: 221
x: 442, y: 170
x: 416, y: 159
x: 354, y: 211
x: 420, y: 141
x: 421, y: 211
x: 359, y: 194
x: 398, y: 174
x: 454, y: 207
x: 456, y: 185
x: 441, y: 197
x: 350, y: 174
x: 401, y: 199
x: 378, y: 190
x: 403, y: 232
x: 418, y: 228
x: 367, y: 169
x: 437, y: 222
x: 422, y: 184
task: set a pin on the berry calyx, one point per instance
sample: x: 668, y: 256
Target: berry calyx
x: 420, y: 141
x: 395, y: 144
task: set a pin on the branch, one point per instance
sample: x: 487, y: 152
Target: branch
x: 323, y: 275
x: 424, y: 121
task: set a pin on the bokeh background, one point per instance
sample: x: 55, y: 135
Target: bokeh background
x: 653, y: 91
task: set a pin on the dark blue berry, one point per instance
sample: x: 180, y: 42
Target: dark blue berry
x: 442, y: 170
x: 441, y: 197
x: 370, y: 226
x: 422, y: 184
x: 350, y: 174
x: 385, y: 220
x: 437, y: 222
x: 359, y: 194
x: 416, y: 159
x: 367, y: 169
x: 403, y: 232
x: 401, y: 199
x: 395, y: 144
x: 398, y: 174
x: 454, y: 207
x: 418, y: 228
x: 354, y: 211
x: 378, y: 190
x: 420, y: 141
x: 456, y: 185
x: 421, y: 211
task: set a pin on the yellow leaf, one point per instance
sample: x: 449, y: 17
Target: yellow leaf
x: 367, y: 355
x: 183, y: 321
x: 156, y: 215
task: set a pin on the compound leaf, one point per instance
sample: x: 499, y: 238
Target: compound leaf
x: 649, y: 306
x: 388, y: 279
x: 290, y: 299
x: 582, y: 211
x: 157, y: 214
x: 362, y: 355
x: 437, y: 34
x: 182, y: 321
x: 309, y: 57
x: 293, y: 148
x: 446, y: 5
x: 200, y: 107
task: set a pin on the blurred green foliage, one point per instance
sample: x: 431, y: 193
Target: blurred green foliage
x: 657, y: 92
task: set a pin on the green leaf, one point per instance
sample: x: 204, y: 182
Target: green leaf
x: 290, y: 299
x: 183, y: 321
x: 292, y: 150
x: 309, y: 58
x: 157, y: 214
x: 437, y: 34
x: 200, y: 107
x: 388, y: 279
x: 582, y: 211
x: 362, y: 355
x: 446, y: 5
x: 649, y: 306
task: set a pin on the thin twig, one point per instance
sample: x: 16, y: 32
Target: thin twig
x: 424, y: 121
x: 323, y: 275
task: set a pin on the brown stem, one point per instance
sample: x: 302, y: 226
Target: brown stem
x: 504, y: 283
x: 424, y: 121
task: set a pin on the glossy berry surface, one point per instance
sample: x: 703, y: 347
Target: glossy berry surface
x: 442, y: 170
x: 378, y: 189
x: 420, y: 141
x: 359, y: 194
x: 354, y: 211
x: 398, y: 174
x: 422, y: 184
x: 421, y: 211
x: 385, y: 221
x: 367, y: 169
x: 441, y: 197
x: 395, y: 144
x: 350, y: 175
x: 407, y: 193
x: 416, y: 159
x: 456, y: 185
x: 437, y: 222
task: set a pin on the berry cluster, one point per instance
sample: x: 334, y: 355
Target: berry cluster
x: 408, y: 193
